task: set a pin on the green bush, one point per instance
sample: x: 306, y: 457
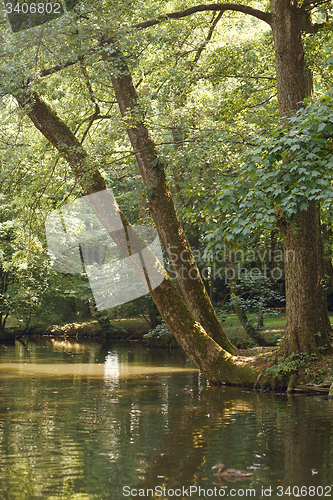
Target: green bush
x: 109, y: 329
x: 161, y: 336
x: 292, y: 364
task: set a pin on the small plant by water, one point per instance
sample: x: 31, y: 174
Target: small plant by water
x: 284, y: 368
x: 160, y: 336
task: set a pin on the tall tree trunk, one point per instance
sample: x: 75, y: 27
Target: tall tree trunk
x: 161, y: 204
x: 291, y: 74
x: 307, y: 325
x: 215, y: 363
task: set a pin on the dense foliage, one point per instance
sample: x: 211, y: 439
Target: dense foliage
x: 207, y: 87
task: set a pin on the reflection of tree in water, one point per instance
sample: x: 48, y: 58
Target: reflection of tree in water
x: 282, y: 439
x: 182, y: 459
x: 307, y: 440
x: 144, y: 426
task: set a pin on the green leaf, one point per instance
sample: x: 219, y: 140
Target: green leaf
x: 321, y: 126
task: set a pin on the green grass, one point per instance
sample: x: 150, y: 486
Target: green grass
x: 274, y: 327
x: 269, y: 321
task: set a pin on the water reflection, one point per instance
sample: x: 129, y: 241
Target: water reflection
x: 111, y: 370
x: 85, y: 421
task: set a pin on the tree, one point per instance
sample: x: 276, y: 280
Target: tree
x: 288, y: 176
x: 308, y: 325
x: 215, y: 362
x: 198, y: 319
x: 306, y: 330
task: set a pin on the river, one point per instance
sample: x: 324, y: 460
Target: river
x: 91, y: 421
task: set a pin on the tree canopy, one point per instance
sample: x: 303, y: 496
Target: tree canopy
x: 170, y: 106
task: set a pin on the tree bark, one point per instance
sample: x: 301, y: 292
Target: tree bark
x: 216, y: 364
x: 307, y: 324
x: 260, y: 323
x: 161, y: 203
x: 291, y: 79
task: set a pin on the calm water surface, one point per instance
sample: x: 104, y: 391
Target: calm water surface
x: 89, y: 421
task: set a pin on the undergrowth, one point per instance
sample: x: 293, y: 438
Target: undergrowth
x: 161, y: 336
x: 284, y: 368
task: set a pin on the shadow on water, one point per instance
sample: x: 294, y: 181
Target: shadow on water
x: 92, y: 421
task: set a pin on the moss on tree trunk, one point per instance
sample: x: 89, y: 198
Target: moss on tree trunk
x: 161, y: 203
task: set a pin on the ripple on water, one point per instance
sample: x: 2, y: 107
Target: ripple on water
x: 86, y: 430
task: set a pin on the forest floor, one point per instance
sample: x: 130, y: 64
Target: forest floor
x: 315, y: 372
x: 138, y: 326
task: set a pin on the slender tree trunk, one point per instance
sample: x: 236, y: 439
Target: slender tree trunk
x: 239, y: 309
x: 261, y: 311
x: 161, y: 204
x: 323, y: 340
x: 211, y: 285
x: 215, y: 363
x: 153, y: 318
x: 268, y: 251
x: 306, y: 321
x: 328, y: 267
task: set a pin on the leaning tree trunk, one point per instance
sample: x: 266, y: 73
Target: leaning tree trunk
x: 161, y: 203
x: 307, y: 324
x: 216, y: 364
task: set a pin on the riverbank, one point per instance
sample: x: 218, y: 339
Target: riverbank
x: 117, y: 329
x: 310, y: 375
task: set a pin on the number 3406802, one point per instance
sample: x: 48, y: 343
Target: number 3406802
x: 302, y: 491
x: 33, y: 8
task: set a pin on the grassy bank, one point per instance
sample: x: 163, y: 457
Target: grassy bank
x: 274, y: 327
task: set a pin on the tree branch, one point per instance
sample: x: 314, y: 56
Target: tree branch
x: 306, y: 22
x: 209, y: 36
x: 310, y: 5
x: 245, y: 9
x: 307, y: 26
x: 314, y: 28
